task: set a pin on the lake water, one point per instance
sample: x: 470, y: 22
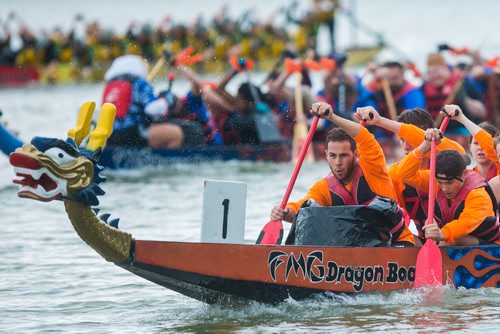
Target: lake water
x: 52, y: 282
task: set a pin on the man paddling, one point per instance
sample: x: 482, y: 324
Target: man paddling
x: 358, y: 171
x: 463, y: 214
x: 410, y: 127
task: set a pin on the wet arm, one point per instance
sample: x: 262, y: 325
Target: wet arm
x: 352, y: 128
x: 221, y: 87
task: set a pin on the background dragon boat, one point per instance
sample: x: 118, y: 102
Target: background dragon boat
x: 65, y: 73
x: 122, y: 157
x: 14, y: 76
x: 54, y: 169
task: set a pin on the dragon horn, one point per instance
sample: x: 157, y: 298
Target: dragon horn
x: 82, y: 128
x: 104, y: 127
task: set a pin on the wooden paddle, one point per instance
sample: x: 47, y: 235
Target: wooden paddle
x: 156, y: 69
x: 451, y: 97
x: 184, y: 57
x: 300, y: 127
x: 389, y: 99
x: 495, y: 119
x: 272, y: 232
x: 429, y: 265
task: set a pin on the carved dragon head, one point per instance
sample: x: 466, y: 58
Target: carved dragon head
x: 50, y: 169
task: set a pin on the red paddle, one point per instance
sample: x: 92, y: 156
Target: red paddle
x: 429, y: 266
x: 272, y: 232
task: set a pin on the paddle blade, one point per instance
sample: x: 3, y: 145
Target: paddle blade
x: 429, y: 266
x: 271, y: 234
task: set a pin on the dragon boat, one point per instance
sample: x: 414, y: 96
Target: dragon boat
x: 65, y: 73
x: 122, y: 157
x: 54, y: 169
x: 14, y: 76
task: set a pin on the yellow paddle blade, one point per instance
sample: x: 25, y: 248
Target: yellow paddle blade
x: 82, y: 128
x: 156, y: 69
x: 104, y: 127
x: 299, y: 137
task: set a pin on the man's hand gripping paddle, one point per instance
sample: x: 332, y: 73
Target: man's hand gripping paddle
x: 429, y: 264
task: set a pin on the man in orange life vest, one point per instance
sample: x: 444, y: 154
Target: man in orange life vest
x: 410, y: 127
x: 463, y: 213
x: 358, y: 171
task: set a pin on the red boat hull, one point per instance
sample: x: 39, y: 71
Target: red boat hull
x: 215, y: 272
x: 12, y: 76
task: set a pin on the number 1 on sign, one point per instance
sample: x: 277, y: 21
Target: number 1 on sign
x: 224, y: 224
x: 225, y: 204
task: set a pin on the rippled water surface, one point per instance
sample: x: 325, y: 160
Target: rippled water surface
x: 50, y: 281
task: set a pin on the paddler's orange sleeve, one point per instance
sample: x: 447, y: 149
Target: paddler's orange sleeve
x: 486, y: 142
x: 409, y: 171
x: 399, y: 186
x: 374, y: 167
x: 373, y: 164
x: 397, y: 183
x: 319, y: 193
x: 406, y: 235
x: 415, y: 136
x: 477, y: 207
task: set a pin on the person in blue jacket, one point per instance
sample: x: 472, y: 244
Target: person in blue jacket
x: 8, y: 140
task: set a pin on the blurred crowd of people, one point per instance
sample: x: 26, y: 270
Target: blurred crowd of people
x: 470, y: 80
x: 402, y: 107
x: 390, y: 87
x: 88, y: 46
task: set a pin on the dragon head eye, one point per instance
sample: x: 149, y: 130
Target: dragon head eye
x: 59, y: 156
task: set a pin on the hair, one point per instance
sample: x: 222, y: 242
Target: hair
x: 496, y: 142
x: 490, y: 128
x: 450, y: 163
x: 393, y: 64
x: 436, y: 59
x: 418, y: 117
x: 339, y: 135
x: 245, y: 92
